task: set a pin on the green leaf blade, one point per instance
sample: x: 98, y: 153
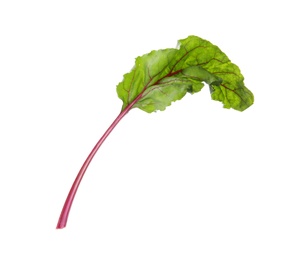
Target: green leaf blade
x: 165, y: 92
x: 160, y: 96
x: 232, y: 92
x: 161, y: 77
x: 148, y: 69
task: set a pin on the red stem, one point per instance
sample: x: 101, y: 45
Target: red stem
x: 62, y: 222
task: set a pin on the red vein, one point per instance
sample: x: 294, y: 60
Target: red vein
x: 224, y: 72
x: 233, y: 90
x: 186, y: 53
x: 200, y: 64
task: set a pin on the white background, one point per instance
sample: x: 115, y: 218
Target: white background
x: 193, y: 182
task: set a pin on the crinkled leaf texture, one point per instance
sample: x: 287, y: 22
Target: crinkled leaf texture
x: 161, y: 77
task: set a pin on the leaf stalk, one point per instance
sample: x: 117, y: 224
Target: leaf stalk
x: 62, y: 222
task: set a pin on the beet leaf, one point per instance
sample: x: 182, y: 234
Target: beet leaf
x: 161, y: 77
